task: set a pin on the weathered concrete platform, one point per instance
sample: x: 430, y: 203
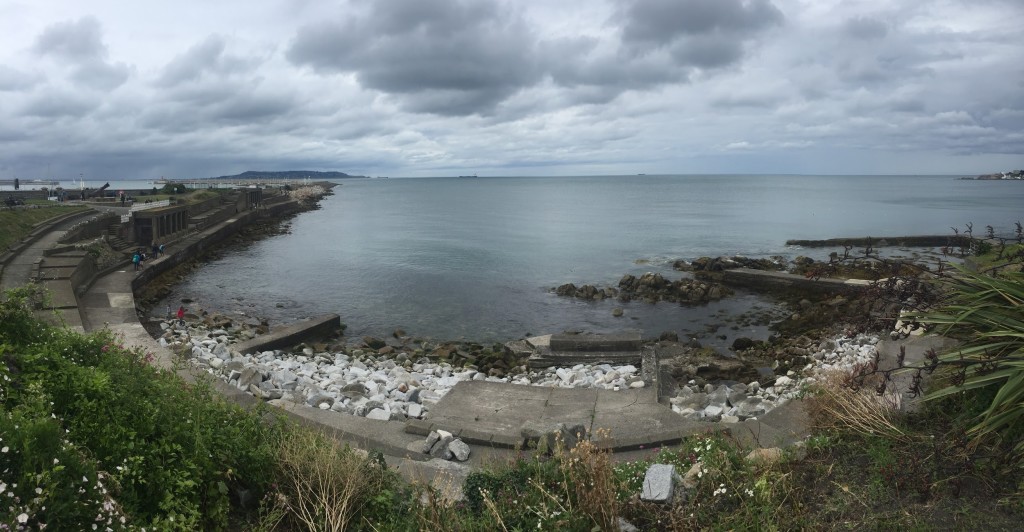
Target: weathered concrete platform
x: 585, y: 348
x: 495, y: 414
x: 292, y: 334
x: 613, y: 342
x: 768, y: 281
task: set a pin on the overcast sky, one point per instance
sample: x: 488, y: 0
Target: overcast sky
x: 120, y: 90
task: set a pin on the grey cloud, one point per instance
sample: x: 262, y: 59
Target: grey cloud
x: 101, y: 75
x: 657, y: 22
x: 205, y: 57
x: 579, y: 63
x: 435, y: 56
x: 15, y: 80
x: 58, y: 105
x: 753, y: 101
x: 249, y: 108
x: 708, y: 52
x: 73, y: 41
x: 80, y: 43
x: 702, y: 34
x: 866, y: 28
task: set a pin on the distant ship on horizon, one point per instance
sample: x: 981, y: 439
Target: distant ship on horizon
x: 474, y: 175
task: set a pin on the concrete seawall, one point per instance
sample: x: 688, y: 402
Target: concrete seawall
x: 767, y: 281
x: 292, y: 334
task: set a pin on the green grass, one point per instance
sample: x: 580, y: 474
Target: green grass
x: 15, y: 224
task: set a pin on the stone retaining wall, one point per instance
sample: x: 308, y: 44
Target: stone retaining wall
x: 91, y: 228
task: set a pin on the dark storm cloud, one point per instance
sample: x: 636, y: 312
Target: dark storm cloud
x: 206, y: 57
x: 446, y: 57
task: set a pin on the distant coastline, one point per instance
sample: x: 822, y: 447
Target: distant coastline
x: 291, y: 174
x: 1013, y: 175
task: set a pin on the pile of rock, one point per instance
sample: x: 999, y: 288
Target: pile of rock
x: 394, y: 386
x: 442, y: 444
x: 649, y: 287
x: 717, y: 264
x: 740, y: 401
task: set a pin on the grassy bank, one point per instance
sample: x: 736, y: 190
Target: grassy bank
x: 15, y: 224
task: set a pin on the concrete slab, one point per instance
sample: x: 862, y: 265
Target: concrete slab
x: 46, y: 271
x: 783, y: 426
x: 915, y: 347
x: 61, y: 293
x: 121, y: 300
x: 623, y: 341
x: 61, y: 261
x: 572, y: 396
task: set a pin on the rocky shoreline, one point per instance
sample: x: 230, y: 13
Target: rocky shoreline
x: 406, y: 377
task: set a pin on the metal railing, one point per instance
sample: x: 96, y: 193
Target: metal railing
x: 151, y: 205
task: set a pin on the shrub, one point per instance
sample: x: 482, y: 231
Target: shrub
x: 987, y: 314
x: 322, y: 485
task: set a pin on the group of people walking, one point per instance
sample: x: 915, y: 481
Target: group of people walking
x: 139, y: 257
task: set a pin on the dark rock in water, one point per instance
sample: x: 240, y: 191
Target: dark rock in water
x: 373, y: 343
x: 650, y: 287
x: 567, y: 289
x: 617, y: 312
x: 668, y: 336
x: 743, y: 343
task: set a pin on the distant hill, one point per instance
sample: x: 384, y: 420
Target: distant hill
x: 291, y: 174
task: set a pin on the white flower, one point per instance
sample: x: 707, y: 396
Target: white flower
x: 39, y: 491
x: 23, y: 518
x: 5, y: 449
x: 55, y: 461
x: 3, y: 487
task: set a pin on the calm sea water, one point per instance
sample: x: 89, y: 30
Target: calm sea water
x: 475, y: 258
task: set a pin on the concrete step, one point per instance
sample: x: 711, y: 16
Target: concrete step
x: 571, y: 358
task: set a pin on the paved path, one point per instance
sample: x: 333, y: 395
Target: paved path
x: 19, y: 271
x: 493, y: 413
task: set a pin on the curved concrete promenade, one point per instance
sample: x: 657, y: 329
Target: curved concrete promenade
x: 489, y: 416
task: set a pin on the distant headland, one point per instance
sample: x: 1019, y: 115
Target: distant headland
x: 291, y: 174
x: 1012, y: 174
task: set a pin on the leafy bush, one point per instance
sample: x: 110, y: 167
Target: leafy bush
x: 987, y: 314
x: 86, y: 421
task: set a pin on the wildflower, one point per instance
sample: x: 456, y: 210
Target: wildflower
x: 5, y: 449
x: 23, y: 518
